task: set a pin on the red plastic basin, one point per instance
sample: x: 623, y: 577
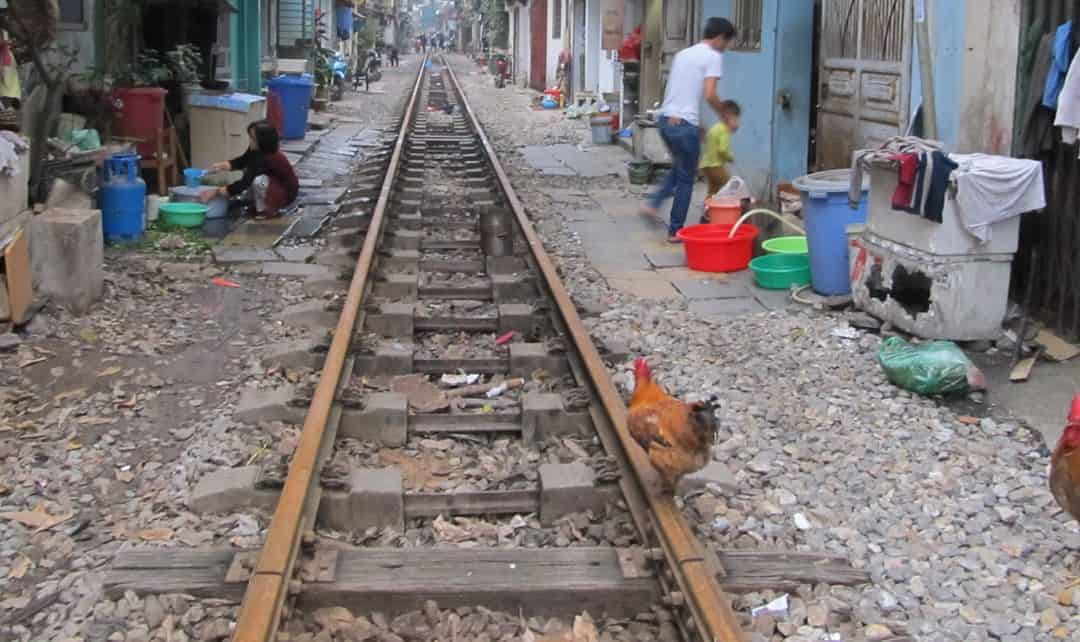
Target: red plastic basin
x: 710, y: 249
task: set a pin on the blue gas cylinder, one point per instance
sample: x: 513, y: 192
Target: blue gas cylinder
x: 122, y: 199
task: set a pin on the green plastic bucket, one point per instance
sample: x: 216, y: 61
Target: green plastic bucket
x: 641, y: 172
x: 183, y: 214
x: 781, y: 271
x: 786, y: 245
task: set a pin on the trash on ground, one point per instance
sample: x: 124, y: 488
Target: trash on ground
x: 933, y: 368
x: 777, y: 608
x: 1056, y: 348
x: 455, y: 380
x: 224, y: 283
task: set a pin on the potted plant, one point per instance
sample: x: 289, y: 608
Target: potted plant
x: 139, y: 100
x: 184, y: 62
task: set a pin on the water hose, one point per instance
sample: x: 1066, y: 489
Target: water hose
x: 768, y: 212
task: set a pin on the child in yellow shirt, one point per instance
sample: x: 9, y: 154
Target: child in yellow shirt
x: 717, y: 153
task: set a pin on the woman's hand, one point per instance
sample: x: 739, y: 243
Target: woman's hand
x: 223, y: 166
x: 208, y: 195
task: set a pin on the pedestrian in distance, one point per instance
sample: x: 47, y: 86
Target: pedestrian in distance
x: 393, y: 56
x: 695, y: 72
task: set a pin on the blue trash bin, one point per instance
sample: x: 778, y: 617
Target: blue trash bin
x: 827, y: 213
x: 295, y: 93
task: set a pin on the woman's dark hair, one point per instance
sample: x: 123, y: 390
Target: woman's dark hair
x: 266, y: 136
x: 716, y: 27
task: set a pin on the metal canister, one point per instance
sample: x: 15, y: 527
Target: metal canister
x: 496, y: 232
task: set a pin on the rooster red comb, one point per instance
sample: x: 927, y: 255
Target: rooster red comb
x: 1074, y: 410
x: 641, y: 368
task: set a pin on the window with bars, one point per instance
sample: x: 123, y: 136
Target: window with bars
x: 72, y: 14
x: 556, y: 19
x: 747, y: 19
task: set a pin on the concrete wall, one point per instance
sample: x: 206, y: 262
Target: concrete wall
x: 556, y: 40
x: 524, y: 47
x: 988, y: 94
x: 81, y: 39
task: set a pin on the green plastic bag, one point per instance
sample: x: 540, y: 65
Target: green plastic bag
x: 932, y: 368
x: 85, y: 139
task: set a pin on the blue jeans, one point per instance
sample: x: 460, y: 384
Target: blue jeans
x: 684, y: 143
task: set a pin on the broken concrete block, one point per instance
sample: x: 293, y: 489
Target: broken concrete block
x: 396, y: 286
x: 375, y: 499
x: 527, y: 358
x: 390, y: 358
x: 384, y: 419
x: 513, y: 287
x: 321, y: 286
x: 517, y: 317
x: 229, y: 489
x: 392, y: 320
x: 309, y: 314
x: 336, y: 260
x: 67, y: 251
x: 403, y: 239
x: 301, y: 353
x: 287, y: 268
x: 540, y: 411
x: 566, y: 488
x: 275, y: 404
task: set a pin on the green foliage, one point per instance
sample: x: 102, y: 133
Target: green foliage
x: 497, y: 22
x: 185, y: 62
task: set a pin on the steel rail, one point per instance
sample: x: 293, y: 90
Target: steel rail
x: 269, y: 584
x: 710, y: 608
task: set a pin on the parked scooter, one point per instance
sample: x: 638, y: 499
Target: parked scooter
x: 502, y: 70
x: 368, y: 70
x: 340, y: 70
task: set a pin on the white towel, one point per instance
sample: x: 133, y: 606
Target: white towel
x: 1068, y: 109
x: 11, y: 147
x: 990, y: 189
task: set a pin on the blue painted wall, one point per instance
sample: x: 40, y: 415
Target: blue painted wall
x: 772, y: 142
x: 947, y: 22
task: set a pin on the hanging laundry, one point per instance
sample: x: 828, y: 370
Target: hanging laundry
x: 885, y: 154
x: 930, y: 184
x: 11, y: 147
x: 9, y: 70
x: 1068, y: 113
x: 990, y: 189
x: 905, y: 183
x: 1059, y: 66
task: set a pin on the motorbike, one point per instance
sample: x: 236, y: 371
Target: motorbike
x: 368, y: 70
x: 502, y: 71
x: 340, y: 70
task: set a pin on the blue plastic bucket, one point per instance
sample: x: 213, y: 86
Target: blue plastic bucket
x: 295, y: 93
x: 827, y: 212
x: 193, y: 177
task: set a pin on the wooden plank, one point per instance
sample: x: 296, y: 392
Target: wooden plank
x: 1022, y: 370
x: 1056, y: 348
x: 479, y: 366
x: 749, y: 571
x: 19, y: 279
x: 484, y: 502
x: 548, y: 582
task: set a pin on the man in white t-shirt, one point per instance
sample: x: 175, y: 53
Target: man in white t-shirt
x: 695, y: 72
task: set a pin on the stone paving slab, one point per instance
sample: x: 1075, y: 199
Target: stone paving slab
x: 607, y: 257
x: 295, y: 253
x: 231, y: 255
x: 725, y: 307
x: 711, y: 289
x: 326, y: 196
x: 665, y: 259
x: 285, y: 268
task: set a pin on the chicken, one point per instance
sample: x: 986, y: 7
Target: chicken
x: 677, y: 436
x: 1065, y: 468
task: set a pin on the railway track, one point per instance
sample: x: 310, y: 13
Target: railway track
x: 460, y: 391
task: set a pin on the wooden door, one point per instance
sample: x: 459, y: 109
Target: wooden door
x: 678, y: 24
x: 865, y: 76
x: 538, y: 27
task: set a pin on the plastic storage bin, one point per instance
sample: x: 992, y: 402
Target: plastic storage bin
x: 827, y: 213
x: 219, y: 125
x: 139, y: 113
x: 295, y: 93
x: 948, y: 238
x: 122, y: 199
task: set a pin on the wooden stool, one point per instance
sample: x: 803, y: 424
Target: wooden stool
x: 165, y: 160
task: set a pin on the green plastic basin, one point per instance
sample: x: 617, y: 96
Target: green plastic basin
x: 183, y: 214
x: 786, y: 245
x: 781, y: 271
